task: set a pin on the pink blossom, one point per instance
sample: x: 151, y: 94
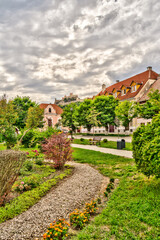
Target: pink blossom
x: 27, y: 153
x: 22, y: 182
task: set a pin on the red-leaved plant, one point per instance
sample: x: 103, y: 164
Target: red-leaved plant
x: 57, y: 148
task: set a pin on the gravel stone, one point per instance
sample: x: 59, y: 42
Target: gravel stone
x: 72, y: 193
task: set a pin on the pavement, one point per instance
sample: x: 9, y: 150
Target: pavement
x: 109, y: 138
x: 118, y: 152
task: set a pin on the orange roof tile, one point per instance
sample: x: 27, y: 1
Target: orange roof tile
x: 139, y: 78
x: 57, y: 108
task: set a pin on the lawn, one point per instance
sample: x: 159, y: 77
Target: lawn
x: 133, y: 210
x: 108, y: 144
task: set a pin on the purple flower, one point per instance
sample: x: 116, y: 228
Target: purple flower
x: 27, y: 153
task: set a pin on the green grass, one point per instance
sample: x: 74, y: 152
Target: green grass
x: 108, y: 144
x: 133, y: 210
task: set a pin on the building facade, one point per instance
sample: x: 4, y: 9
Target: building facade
x: 135, y: 89
x: 52, y: 114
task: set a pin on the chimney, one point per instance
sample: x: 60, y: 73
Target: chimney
x: 117, y: 81
x: 150, y: 69
x: 103, y: 87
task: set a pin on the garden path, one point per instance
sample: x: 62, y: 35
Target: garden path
x: 81, y: 187
x: 118, y: 152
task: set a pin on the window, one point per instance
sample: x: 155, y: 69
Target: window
x: 115, y: 94
x: 133, y: 88
x: 123, y: 92
x: 50, y: 110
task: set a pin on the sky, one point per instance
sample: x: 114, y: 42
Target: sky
x: 51, y: 48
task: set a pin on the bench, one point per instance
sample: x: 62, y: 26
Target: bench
x: 95, y: 140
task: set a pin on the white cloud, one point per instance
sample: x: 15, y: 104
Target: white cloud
x: 51, y: 48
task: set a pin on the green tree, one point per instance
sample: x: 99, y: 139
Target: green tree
x: 34, y: 119
x: 92, y: 117
x: 82, y: 113
x: 8, y: 117
x: 125, y: 112
x: 105, y: 105
x: 21, y: 106
x: 69, y: 118
x: 152, y: 106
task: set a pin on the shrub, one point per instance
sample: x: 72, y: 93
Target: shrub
x: 146, y: 145
x: 57, y: 149
x: 82, y: 139
x: 105, y: 194
x: 10, y: 164
x: 79, y: 218
x: 39, y: 161
x: 105, y: 140
x: 57, y: 230
x: 28, y: 165
x: 27, y: 139
x: 91, y: 207
x: 112, y: 180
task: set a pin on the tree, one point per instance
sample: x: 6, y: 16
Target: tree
x: 34, y: 119
x: 68, y: 117
x: 125, y: 112
x: 152, y: 106
x: 82, y: 112
x: 105, y: 105
x: 21, y: 106
x: 8, y: 117
x: 92, y: 117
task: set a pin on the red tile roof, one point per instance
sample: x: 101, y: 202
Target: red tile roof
x: 155, y: 86
x: 56, y: 108
x: 139, y: 78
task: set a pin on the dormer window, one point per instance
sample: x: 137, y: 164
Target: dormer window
x: 115, y: 94
x: 50, y: 110
x: 133, y: 88
x: 123, y: 92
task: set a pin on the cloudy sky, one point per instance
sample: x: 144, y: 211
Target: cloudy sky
x: 49, y: 48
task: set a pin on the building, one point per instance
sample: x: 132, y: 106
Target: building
x: 135, y: 88
x: 52, y: 114
x: 68, y: 99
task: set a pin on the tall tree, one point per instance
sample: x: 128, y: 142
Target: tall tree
x: 82, y: 112
x: 105, y: 105
x: 68, y: 117
x: 21, y: 106
x: 125, y: 112
x: 152, y: 106
x: 34, y: 119
x: 8, y: 117
x: 92, y: 117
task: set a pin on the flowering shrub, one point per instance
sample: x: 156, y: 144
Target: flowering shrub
x: 57, y: 148
x: 79, y: 218
x: 57, y: 230
x: 91, y: 207
x: 22, y: 187
x: 10, y: 164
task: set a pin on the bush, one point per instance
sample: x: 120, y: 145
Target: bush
x: 57, y: 230
x: 105, y: 140
x: 91, y: 207
x: 79, y: 218
x: 10, y: 164
x: 27, y: 139
x: 28, y: 165
x: 82, y: 139
x: 58, y: 149
x: 39, y: 161
x: 146, y: 145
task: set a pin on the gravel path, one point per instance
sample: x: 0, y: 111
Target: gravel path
x: 118, y: 152
x: 82, y: 186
